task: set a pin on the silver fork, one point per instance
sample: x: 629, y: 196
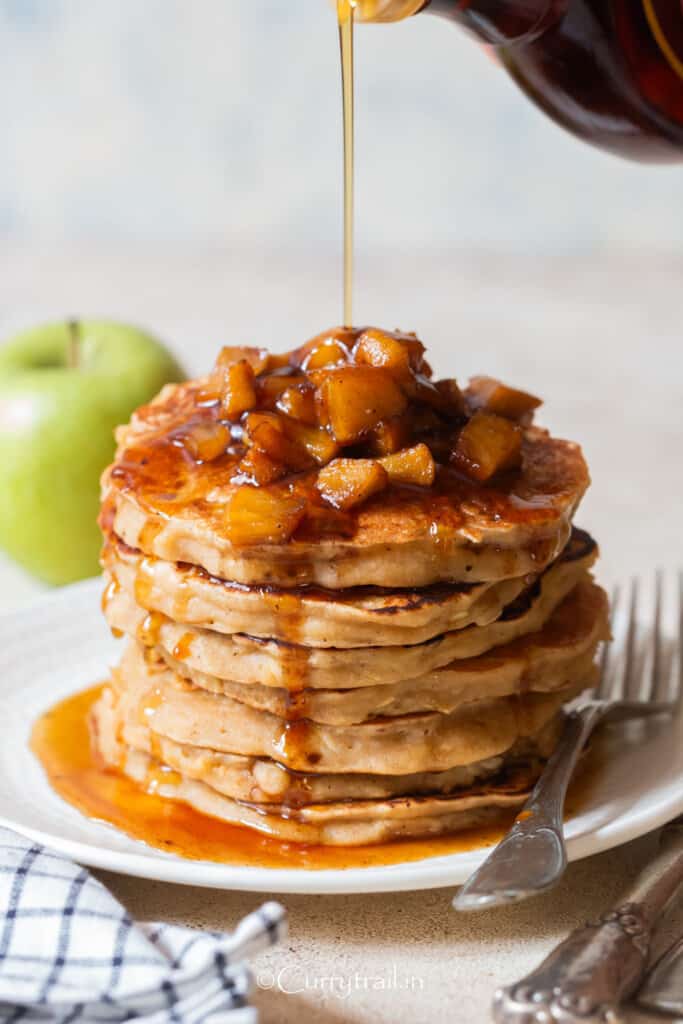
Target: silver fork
x: 639, y: 677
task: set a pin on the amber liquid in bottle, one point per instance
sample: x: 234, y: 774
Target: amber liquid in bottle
x: 610, y: 71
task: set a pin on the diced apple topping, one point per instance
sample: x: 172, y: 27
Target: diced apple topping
x: 403, y: 354
x: 205, y: 441
x: 270, y: 388
x: 411, y: 466
x: 375, y: 348
x: 299, y: 403
x: 389, y: 436
x: 333, y: 346
x: 258, y: 468
x: 350, y: 412
x: 319, y: 444
x: 356, y: 398
x: 258, y: 358
x: 493, y: 396
x: 348, y: 482
x: 237, y: 393
x: 256, y: 515
x: 453, y: 396
x: 329, y: 353
x: 488, y: 444
x: 266, y: 431
x: 421, y: 389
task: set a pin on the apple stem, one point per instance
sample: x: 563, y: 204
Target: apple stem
x: 73, y: 354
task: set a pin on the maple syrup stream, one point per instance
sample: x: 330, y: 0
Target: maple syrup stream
x: 345, y: 15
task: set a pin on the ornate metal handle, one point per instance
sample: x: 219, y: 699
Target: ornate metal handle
x: 586, y: 977
x: 532, y: 857
x: 599, y: 966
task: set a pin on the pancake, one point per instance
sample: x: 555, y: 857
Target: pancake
x: 310, y: 615
x: 262, y: 780
x: 398, y: 745
x: 267, y: 663
x: 445, y: 690
x: 346, y: 822
x: 542, y: 662
x: 160, y: 501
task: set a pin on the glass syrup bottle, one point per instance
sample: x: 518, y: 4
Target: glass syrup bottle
x: 610, y: 71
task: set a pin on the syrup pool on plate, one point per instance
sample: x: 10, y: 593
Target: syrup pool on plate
x: 61, y: 742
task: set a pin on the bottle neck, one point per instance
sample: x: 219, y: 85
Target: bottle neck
x: 497, y: 22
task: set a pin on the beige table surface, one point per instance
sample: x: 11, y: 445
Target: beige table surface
x: 600, y: 338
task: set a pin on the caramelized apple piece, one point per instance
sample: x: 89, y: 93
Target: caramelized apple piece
x: 206, y: 441
x: 319, y: 444
x: 411, y: 466
x: 332, y: 344
x: 273, y: 385
x: 423, y: 391
x: 389, y: 437
x: 423, y: 421
x: 493, y: 396
x: 487, y: 444
x: 328, y: 353
x: 256, y: 515
x: 258, y: 358
x: 356, y: 398
x: 267, y: 432
x: 258, y: 468
x: 299, y: 403
x: 400, y: 353
x: 376, y: 348
x: 279, y: 360
x: 236, y: 390
x: 348, y: 482
x: 451, y: 393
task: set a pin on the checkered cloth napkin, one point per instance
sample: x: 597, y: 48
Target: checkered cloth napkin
x: 69, y: 952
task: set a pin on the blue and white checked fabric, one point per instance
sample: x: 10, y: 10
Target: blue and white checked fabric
x: 71, y: 954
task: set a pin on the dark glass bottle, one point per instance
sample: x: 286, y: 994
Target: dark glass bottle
x: 610, y: 71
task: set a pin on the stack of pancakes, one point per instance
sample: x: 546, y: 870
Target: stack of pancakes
x: 396, y: 669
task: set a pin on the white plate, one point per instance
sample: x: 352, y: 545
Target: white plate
x: 62, y: 645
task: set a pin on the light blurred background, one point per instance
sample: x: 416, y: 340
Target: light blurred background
x: 218, y: 120
x: 178, y: 164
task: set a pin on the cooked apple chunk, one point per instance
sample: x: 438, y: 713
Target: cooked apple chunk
x: 403, y: 354
x: 492, y: 395
x: 356, y: 398
x: 237, y: 391
x: 389, y: 437
x: 319, y: 444
x: 411, y: 466
x: 206, y: 441
x: 270, y: 388
x: 453, y: 396
x: 258, y: 358
x: 267, y: 432
x: 375, y: 348
x: 256, y: 515
x: 348, y: 482
x: 488, y: 444
x: 258, y: 468
x: 299, y: 403
x: 329, y: 353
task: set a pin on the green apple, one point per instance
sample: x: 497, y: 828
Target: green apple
x: 63, y: 389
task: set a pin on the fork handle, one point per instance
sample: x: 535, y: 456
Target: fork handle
x: 588, y: 976
x: 532, y: 857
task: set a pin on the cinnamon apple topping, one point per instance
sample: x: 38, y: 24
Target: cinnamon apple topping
x: 354, y: 412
